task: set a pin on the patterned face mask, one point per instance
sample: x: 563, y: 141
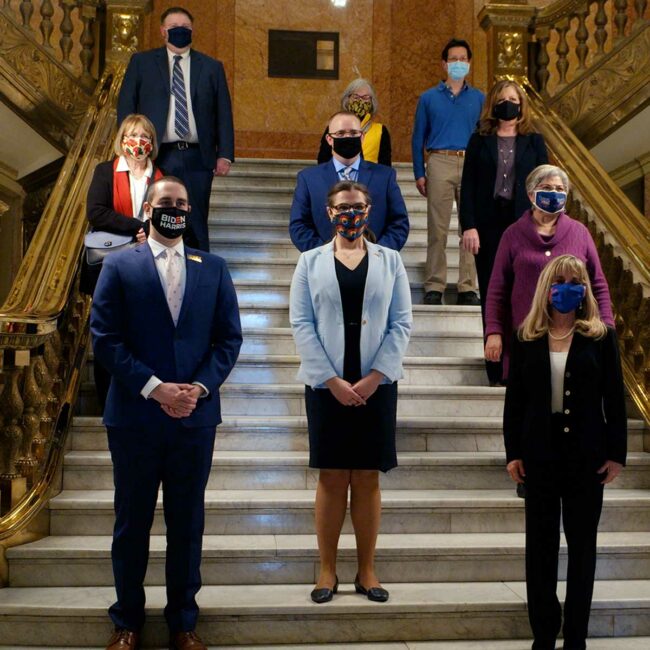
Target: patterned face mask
x: 350, y: 224
x: 137, y: 147
x: 360, y: 107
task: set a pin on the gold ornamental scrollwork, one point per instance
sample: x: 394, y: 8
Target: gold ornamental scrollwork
x: 125, y: 33
x: 510, y: 50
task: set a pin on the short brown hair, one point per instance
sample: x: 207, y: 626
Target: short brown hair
x: 352, y: 186
x: 151, y: 190
x: 331, y: 117
x: 175, y: 10
x: 488, y: 124
x: 134, y: 121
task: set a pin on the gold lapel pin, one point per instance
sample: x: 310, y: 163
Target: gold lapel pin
x: 195, y: 258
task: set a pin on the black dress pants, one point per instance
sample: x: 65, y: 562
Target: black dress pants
x: 570, y: 489
x: 490, y: 235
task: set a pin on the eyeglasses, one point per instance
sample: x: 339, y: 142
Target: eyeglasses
x: 345, y: 207
x: 351, y: 133
x: 547, y: 187
x: 365, y: 98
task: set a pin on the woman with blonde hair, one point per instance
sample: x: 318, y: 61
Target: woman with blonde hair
x: 360, y: 98
x: 499, y: 157
x: 565, y: 433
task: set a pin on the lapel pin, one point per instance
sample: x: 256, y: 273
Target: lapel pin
x: 195, y: 258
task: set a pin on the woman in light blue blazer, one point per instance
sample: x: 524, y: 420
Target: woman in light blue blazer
x: 350, y: 312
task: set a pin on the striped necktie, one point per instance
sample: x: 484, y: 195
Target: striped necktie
x: 181, y: 120
x: 346, y: 173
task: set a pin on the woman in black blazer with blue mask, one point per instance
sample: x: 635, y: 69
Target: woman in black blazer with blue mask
x: 565, y: 432
x: 499, y: 157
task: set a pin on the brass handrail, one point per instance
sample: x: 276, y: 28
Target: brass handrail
x: 44, y: 300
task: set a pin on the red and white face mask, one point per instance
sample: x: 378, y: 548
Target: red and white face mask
x: 137, y: 147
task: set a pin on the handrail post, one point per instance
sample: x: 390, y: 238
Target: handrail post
x: 125, y: 28
x: 507, y: 26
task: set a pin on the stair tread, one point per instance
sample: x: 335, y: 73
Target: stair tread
x: 285, y: 546
x: 269, y: 600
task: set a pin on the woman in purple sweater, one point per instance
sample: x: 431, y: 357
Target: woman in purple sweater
x: 541, y: 234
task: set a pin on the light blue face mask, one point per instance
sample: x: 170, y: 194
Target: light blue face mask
x: 458, y: 70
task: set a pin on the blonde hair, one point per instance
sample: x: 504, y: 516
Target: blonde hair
x: 588, y: 321
x: 135, y: 121
x: 488, y: 124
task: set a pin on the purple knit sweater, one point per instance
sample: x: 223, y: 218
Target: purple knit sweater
x: 521, y: 256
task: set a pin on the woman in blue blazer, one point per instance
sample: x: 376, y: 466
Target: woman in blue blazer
x: 350, y: 312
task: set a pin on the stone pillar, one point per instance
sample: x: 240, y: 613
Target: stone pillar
x: 125, y: 28
x: 506, y: 26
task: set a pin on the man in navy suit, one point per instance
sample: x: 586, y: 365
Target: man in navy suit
x: 309, y: 225
x: 165, y: 324
x: 185, y: 94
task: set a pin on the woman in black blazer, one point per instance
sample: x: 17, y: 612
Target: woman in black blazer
x: 565, y: 432
x: 499, y: 157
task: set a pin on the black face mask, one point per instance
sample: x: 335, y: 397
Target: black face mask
x: 169, y: 222
x: 348, y: 147
x: 179, y: 37
x: 506, y: 111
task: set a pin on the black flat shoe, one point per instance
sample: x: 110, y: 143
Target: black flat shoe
x: 377, y: 594
x: 325, y: 594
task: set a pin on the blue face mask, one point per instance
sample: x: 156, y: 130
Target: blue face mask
x: 567, y: 297
x: 549, y: 201
x: 458, y: 70
x: 179, y: 37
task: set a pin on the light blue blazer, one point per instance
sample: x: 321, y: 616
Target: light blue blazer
x: 316, y: 315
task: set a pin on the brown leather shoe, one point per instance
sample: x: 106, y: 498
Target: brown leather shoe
x: 186, y: 641
x: 123, y: 640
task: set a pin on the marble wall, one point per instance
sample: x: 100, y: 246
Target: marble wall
x: 395, y: 43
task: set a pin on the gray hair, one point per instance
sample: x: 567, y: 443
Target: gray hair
x: 543, y: 172
x: 352, y: 89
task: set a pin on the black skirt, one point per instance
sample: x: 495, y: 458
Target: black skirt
x: 352, y: 437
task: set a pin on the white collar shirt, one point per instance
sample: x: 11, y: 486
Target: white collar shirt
x: 137, y: 186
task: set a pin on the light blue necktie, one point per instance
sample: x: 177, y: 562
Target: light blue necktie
x: 346, y: 173
x: 181, y: 120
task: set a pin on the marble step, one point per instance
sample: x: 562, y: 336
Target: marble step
x: 289, y: 470
x: 282, y: 369
x: 425, y: 317
x: 290, y: 559
x: 279, y: 340
x: 254, y: 614
x: 415, y: 433
x: 266, y: 512
x: 289, y: 399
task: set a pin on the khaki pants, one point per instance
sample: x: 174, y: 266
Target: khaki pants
x: 443, y: 186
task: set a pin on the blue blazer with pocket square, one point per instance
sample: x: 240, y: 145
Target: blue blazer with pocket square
x: 309, y: 225
x: 134, y: 336
x: 316, y: 315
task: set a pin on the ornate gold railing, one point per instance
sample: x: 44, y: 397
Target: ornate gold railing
x: 44, y: 320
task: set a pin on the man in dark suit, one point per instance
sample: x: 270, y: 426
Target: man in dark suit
x: 185, y: 94
x: 165, y: 324
x: 309, y: 225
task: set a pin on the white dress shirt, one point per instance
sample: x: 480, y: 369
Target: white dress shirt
x: 170, y: 131
x: 137, y: 186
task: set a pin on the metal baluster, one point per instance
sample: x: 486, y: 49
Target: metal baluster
x: 87, y: 54
x: 47, y: 11
x: 601, y: 32
x: 26, y: 11
x: 582, y: 49
x: 542, y: 61
x: 620, y: 19
x: 562, y: 50
x: 65, y: 42
x: 640, y: 7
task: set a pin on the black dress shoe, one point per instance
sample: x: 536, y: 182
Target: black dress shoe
x: 378, y: 594
x: 325, y: 594
x: 468, y: 298
x: 432, y: 298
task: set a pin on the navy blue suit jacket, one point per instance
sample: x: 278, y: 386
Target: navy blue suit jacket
x: 309, y: 225
x: 134, y: 336
x: 146, y: 90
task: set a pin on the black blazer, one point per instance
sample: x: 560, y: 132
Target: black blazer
x: 384, y: 157
x: 480, y: 174
x: 146, y: 90
x: 594, y: 398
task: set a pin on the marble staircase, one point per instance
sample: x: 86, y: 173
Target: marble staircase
x: 451, y: 549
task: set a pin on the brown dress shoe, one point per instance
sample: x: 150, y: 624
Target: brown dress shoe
x: 123, y: 640
x: 186, y: 641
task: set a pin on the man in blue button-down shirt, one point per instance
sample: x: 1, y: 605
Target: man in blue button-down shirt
x: 445, y: 118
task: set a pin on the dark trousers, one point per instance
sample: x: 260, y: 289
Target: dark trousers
x: 489, y: 237
x: 187, y: 164
x: 570, y: 488
x: 102, y: 383
x: 180, y: 458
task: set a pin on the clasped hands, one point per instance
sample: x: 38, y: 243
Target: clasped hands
x: 355, y: 394
x: 611, y: 469
x: 177, y: 400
